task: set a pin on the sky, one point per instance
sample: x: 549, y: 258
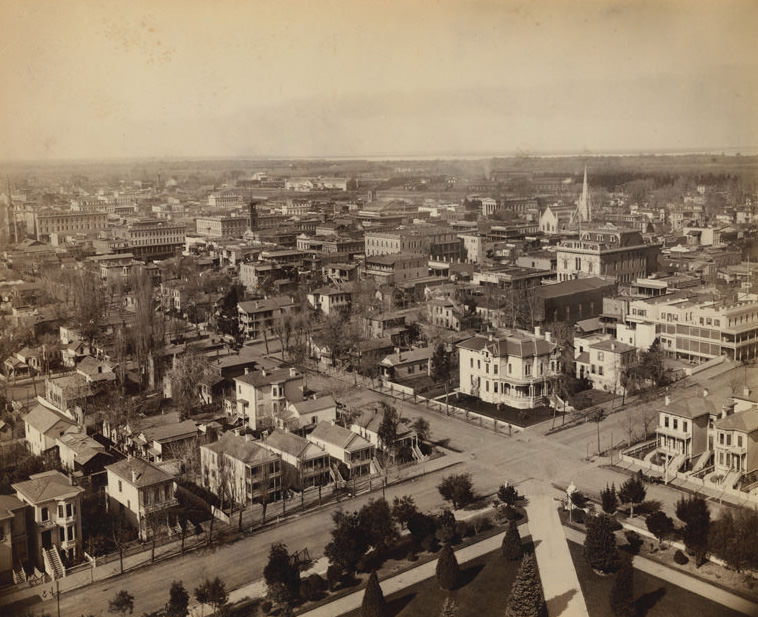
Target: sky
x: 191, y: 78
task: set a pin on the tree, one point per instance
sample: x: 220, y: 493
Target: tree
x: 348, y: 543
x: 508, y: 494
x: 632, y: 491
x: 527, y: 598
x: 457, y: 489
x: 448, y: 571
x: 694, y: 512
x: 227, y: 315
x: 403, y: 509
x: 421, y: 426
x: 282, y: 576
x: 212, y: 592
x: 387, y: 431
x: 660, y: 525
x: 622, y: 593
x: 511, y: 547
x: 439, y: 368
x: 600, y: 544
x: 376, y: 524
x: 178, y: 601
x: 734, y: 538
x: 373, y: 604
x: 609, y: 499
x: 122, y: 603
x: 184, y: 375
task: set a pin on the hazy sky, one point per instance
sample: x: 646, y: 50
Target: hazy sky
x: 357, y: 77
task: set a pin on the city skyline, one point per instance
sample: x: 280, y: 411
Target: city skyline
x: 425, y: 79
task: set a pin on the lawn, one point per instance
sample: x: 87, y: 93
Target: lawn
x: 654, y: 596
x: 588, y: 398
x: 486, y: 584
x: 505, y: 413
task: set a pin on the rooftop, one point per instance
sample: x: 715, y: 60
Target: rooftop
x: 240, y: 448
x: 139, y: 472
x: 511, y: 343
x: 338, y: 436
x: 745, y: 421
x: 259, y: 379
x: 47, y: 486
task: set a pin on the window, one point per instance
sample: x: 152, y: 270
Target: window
x: 494, y: 369
x: 494, y: 387
x: 69, y: 509
x: 60, y: 510
x: 676, y: 423
x: 119, y: 486
x: 510, y: 368
x: 478, y: 364
x: 599, y: 370
x: 70, y: 533
x: 721, y: 439
x: 739, y: 441
x: 487, y: 386
x: 600, y: 356
x: 527, y: 369
x: 728, y: 439
x: 62, y: 534
x: 665, y: 421
x: 717, y: 322
x: 45, y: 514
x: 472, y: 362
x: 487, y: 368
x: 684, y: 425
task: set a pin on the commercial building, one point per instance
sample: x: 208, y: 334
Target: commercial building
x: 622, y: 254
x: 151, y: 239
x: 441, y: 243
x: 395, y: 268
x: 43, y: 224
x: 222, y: 226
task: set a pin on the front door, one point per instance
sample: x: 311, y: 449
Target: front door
x: 47, y: 539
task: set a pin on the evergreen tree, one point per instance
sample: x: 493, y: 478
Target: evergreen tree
x: 178, y: 601
x: 511, y: 547
x: 282, y: 576
x: 122, y: 603
x: 632, y: 492
x: 527, y: 598
x: 622, y: 593
x: 697, y: 518
x: 373, y: 599
x: 600, y: 544
x: 609, y: 499
x: 447, y: 568
x: 659, y: 525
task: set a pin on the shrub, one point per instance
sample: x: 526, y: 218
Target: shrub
x: 429, y: 544
x: 511, y: 547
x: 615, y: 525
x: 578, y: 516
x: 600, y: 544
x: 306, y: 591
x: 680, y: 558
x: 512, y: 514
x: 481, y: 523
x: 463, y: 529
x: 333, y: 575
x: 634, y: 541
x: 526, y: 596
x: 622, y: 593
x: 266, y: 606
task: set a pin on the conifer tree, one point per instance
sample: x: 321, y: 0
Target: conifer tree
x: 622, y: 594
x: 527, y: 598
x: 373, y: 599
x: 600, y: 544
x: 511, y: 547
x: 447, y: 568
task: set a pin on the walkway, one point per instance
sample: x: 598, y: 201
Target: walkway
x: 563, y: 594
x: 675, y: 577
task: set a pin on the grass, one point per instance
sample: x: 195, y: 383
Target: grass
x: 504, y: 413
x: 588, y: 398
x: 654, y: 597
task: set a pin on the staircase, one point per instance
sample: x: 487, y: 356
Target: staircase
x: 701, y: 462
x: 417, y: 454
x: 376, y: 468
x: 732, y: 478
x: 53, y: 564
x: 337, y: 478
x: 676, y: 463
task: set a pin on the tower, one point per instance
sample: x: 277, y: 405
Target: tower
x: 253, y: 213
x: 583, y: 212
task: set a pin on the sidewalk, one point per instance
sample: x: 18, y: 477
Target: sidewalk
x: 563, y: 594
x: 406, y: 579
x: 694, y: 585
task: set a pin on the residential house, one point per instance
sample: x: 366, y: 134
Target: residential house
x: 683, y: 432
x: 143, y: 492
x: 69, y: 394
x: 304, y: 415
x: 330, y: 300
x: 80, y: 453
x: 352, y: 453
x: 368, y: 422
x: 396, y: 268
x: 306, y: 461
x: 450, y: 314
x: 736, y: 444
x: 55, y: 519
x: 263, y: 396
x: 43, y: 426
x: 407, y: 365
x: 242, y: 469
x: 14, y: 541
x: 164, y: 442
x: 603, y: 360
x: 512, y: 367
x: 259, y: 317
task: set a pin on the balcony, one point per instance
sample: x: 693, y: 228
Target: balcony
x: 673, y: 432
x: 161, y: 505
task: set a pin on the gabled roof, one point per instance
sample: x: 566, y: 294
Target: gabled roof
x: 46, y: 420
x: 8, y: 506
x: 170, y: 432
x: 338, y: 436
x: 414, y: 355
x: 259, y: 379
x: 46, y: 486
x: 239, y: 448
x: 317, y: 404
x: 294, y: 445
x: 139, y: 472
x: 691, y: 407
x: 613, y: 346
x: 269, y: 304
x: 84, y: 447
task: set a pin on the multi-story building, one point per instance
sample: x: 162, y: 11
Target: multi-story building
x: 309, y: 462
x: 736, y: 444
x: 329, y: 300
x: 622, y: 254
x: 440, y: 243
x: 602, y: 359
x: 55, y: 517
x: 339, y: 273
x: 396, y: 268
x: 263, y: 396
x: 44, y: 224
x: 352, y: 453
x: 43, y: 426
x: 257, y: 317
x: 694, y: 326
x: 143, y: 492
x: 14, y: 549
x: 241, y: 469
x: 222, y: 226
x: 556, y: 218
x: 152, y: 239
x: 512, y: 367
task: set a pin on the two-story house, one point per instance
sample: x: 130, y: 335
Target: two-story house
x: 259, y: 317
x: 55, y: 521
x: 330, y: 300
x: 603, y: 360
x: 682, y: 431
x: 353, y: 453
x: 305, y: 415
x: 143, y: 492
x: 241, y: 469
x: 308, y: 463
x: 512, y: 367
x: 14, y: 549
x: 263, y: 396
x: 736, y: 444
x: 406, y: 365
x: 43, y: 426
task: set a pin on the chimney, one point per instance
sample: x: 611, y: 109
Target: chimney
x: 705, y: 393
x: 746, y: 391
x: 134, y: 476
x: 263, y: 372
x: 613, y: 346
x: 667, y: 400
x: 728, y: 408
x: 247, y: 370
x: 293, y: 371
x: 548, y: 336
x: 537, y: 331
x: 489, y: 337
